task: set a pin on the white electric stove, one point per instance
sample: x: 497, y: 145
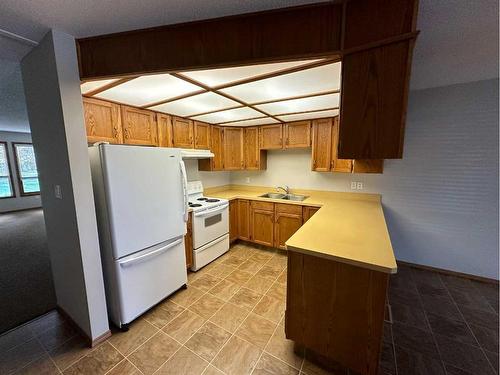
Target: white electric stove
x: 210, y: 225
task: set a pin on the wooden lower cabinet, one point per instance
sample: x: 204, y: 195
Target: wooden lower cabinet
x: 244, y: 219
x: 188, y: 241
x: 233, y: 220
x: 308, y: 211
x: 336, y: 310
x: 262, y: 223
x: 288, y: 219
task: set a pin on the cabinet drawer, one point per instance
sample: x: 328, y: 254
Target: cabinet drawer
x: 288, y: 208
x: 267, y: 206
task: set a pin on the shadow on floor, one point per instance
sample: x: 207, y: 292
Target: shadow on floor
x: 26, y: 286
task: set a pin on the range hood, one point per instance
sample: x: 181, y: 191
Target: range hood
x: 191, y: 153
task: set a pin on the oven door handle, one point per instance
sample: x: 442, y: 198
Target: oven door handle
x: 212, y: 211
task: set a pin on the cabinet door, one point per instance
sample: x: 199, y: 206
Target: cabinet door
x: 182, y: 132
x: 139, y: 126
x: 102, y: 121
x: 298, y: 134
x: 233, y: 220
x: 288, y: 219
x: 233, y: 148
x: 307, y: 212
x: 164, y: 130
x: 271, y: 137
x: 188, y: 241
x: 338, y: 165
x: 216, y: 143
x: 201, y: 135
x: 368, y: 166
x: 321, y: 144
x: 261, y: 224
x: 244, y: 219
x: 254, y: 157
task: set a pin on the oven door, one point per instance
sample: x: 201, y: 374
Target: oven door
x: 210, y: 224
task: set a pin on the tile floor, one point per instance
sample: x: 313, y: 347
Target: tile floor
x: 230, y: 321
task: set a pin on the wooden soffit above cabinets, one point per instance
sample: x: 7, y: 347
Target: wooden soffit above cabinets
x: 373, y: 39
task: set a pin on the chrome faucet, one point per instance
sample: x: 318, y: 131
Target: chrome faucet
x: 286, y: 189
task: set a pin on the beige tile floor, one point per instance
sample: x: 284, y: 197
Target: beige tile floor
x: 228, y: 321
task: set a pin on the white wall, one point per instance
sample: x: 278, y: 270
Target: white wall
x: 441, y: 199
x: 55, y: 110
x: 17, y: 202
x: 209, y: 179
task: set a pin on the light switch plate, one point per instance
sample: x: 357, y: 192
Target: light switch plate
x: 57, y: 191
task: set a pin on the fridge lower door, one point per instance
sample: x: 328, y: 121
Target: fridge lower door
x: 210, y: 252
x: 147, y: 277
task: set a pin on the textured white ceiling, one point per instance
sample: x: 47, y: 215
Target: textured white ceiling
x: 458, y: 41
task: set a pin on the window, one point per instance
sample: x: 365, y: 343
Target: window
x: 26, y: 169
x: 6, y: 188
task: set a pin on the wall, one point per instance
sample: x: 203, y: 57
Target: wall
x: 55, y: 111
x: 209, y: 179
x: 18, y: 202
x: 441, y: 199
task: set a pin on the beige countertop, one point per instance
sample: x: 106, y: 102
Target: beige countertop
x: 349, y: 227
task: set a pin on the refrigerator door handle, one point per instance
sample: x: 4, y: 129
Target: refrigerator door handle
x: 159, y: 251
x: 213, y: 210
x: 184, y: 189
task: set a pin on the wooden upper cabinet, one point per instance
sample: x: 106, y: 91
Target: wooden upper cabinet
x: 217, y: 148
x: 139, y: 126
x: 201, y: 135
x: 298, y: 134
x: 244, y: 219
x: 288, y: 219
x: 338, y: 165
x: 321, y: 144
x: 271, y: 137
x: 262, y: 223
x: 255, y: 158
x: 164, y: 130
x: 233, y: 148
x: 102, y: 121
x: 182, y: 132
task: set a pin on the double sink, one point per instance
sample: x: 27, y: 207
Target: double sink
x: 289, y: 197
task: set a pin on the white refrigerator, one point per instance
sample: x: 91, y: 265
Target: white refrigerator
x: 141, y: 204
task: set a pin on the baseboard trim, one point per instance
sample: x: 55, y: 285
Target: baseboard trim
x: 91, y: 343
x: 450, y: 273
x: 21, y: 210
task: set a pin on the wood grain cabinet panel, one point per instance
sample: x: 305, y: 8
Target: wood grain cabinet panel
x: 321, y: 145
x: 139, y: 126
x: 182, y: 132
x: 308, y: 212
x: 233, y: 220
x: 368, y: 166
x: 298, y: 134
x: 338, y: 165
x: 262, y: 223
x: 271, y: 137
x: 288, y: 219
x: 164, y: 130
x: 244, y: 219
x: 102, y: 121
x: 233, y: 148
x: 216, y: 146
x: 201, y: 135
x: 188, y: 241
x: 255, y: 158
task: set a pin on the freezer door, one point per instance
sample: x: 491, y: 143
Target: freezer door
x: 144, y: 194
x: 147, y: 277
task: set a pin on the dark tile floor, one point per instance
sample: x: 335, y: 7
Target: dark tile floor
x: 230, y: 320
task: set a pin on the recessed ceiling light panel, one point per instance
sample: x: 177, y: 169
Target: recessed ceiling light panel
x: 254, y: 122
x: 229, y: 115
x: 312, y: 103
x: 309, y: 115
x: 195, y: 104
x: 90, y: 86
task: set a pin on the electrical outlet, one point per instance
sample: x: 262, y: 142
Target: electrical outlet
x: 247, y: 180
x: 356, y: 185
x: 353, y: 185
x: 359, y: 186
x: 57, y: 191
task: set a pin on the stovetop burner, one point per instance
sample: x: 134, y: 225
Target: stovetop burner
x: 195, y: 205
x: 203, y: 199
x: 212, y: 200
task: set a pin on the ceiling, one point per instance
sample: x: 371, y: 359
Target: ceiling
x: 458, y: 41
x: 238, y: 96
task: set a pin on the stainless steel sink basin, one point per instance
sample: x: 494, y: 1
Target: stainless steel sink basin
x: 289, y: 197
x: 273, y: 195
